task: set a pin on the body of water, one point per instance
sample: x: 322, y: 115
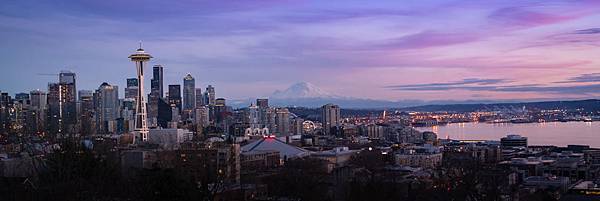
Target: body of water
x: 553, y: 133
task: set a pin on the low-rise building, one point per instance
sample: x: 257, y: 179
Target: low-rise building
x: 511, y: 141
x: 526, y: 167
x: 272, y: 143
x: 336, y: 157
x: 257, y: 160
x: 427, y: 156
x: 169, y: 136
x: 547, y: 182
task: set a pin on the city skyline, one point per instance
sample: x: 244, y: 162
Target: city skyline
x: 489, y: 51
x: 283, y: 100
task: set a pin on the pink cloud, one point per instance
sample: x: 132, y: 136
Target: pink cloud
x: 520, y: 17
x: 428, y: 39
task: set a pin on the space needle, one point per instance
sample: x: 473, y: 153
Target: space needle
x: 140, y: 57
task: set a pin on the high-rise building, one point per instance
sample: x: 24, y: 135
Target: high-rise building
x: 86, y: 112
x: 38, y: 108
x: 330, y: 117
x: 201, y: 117
x: 264, y: 113
x: 218, y: 112
x: 157, y: 80
x: 68, y: 102
x: 54, y: 123
x: 283, y: 121
x: 128, y: 106
x: 199, y: 98
x: 220, y: 102
x: 132, y: 88
x: 5, y: 107
x: 132, y: 82
x: 268, y: 118
x: 126, y: 123
x: 189, y: 93
x: 22, y: 97
x: 297, y: 126
x: 20, y: 111
x: 106, y: 101
x: 141, y: 58
x: 39, y: 99
x: 262, y: 103
x: 175, y: 96
x: 252, y: 117
x: 156, y: 93
x: 209, y: 95
x: 164, y: 113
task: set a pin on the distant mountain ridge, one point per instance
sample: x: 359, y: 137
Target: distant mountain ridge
x: 305, y: 94
x: 586, y: 105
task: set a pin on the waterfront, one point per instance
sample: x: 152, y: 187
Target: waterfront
x: 553, y: 133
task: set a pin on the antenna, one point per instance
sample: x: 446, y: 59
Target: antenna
x: 140, y: 44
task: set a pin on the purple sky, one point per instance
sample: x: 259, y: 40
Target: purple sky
x: 430, y: 50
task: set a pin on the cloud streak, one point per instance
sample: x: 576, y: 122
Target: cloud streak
x: 522, y: 17
x: 588, y: 31
x: 498, y: 85
x: 462, y: 83
x: 584, y: 78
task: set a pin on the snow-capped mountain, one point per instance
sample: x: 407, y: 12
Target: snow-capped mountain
x: 302, y: 90
x: 308, y: 95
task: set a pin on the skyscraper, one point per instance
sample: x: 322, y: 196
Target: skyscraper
x: 20, y: 111
x: 86, y: 112
x: 220, y: 113
x: 132, y: 88
x: 264, y: 113
x: 156, y: 93
x: 199, y: 98
x: 209, y: 95
x: 201, y: 117
x: 268, y: 118
x: 38, y: 107
x: 68, y: 103
x: 330, y: 117
x: 106, y: 101
x: 189, y: 93
x: 126, y: 121
x: 262, y: 103
x: 38, y: 99
x: 128, y: 105
x: 140, y: 57
x: 156, y: 84
x: 54, y: 123
x: 132, y: 82
x: 22, y: 97
x: 175, y: 96
x: 164, y: 113
x: 252, y: 117
x: 220, y: 102
x: 283, y: 121
x: 5, y: 106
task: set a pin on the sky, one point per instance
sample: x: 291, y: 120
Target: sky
x: 389, y: 50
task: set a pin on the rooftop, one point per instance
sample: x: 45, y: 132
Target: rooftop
x: 274, y: 144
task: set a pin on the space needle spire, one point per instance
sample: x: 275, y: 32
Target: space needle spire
x: 140, y: 58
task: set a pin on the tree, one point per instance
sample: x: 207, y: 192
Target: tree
x: 303, y: 178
